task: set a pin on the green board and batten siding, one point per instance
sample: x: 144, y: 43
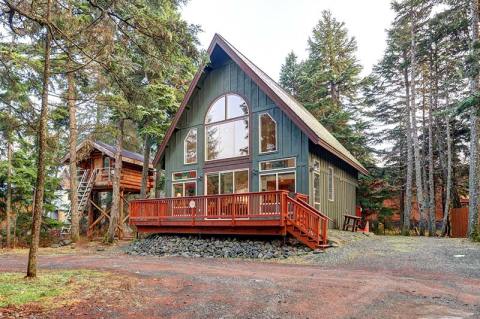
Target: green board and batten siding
x: 292, y: 142
x: 229, y: 78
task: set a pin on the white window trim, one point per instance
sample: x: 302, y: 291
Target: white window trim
x: 260, y: 133
x: 183, y: 182
x: 330, y: 169
x: 226, y: 120
x: 313, y: 188
x: 227, y: 171
x: 278, y: 169
x: 185, y: 147
x: 185, y: 179
x: 276, y: 172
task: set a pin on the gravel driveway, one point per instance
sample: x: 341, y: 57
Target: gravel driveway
x: 368, y: 277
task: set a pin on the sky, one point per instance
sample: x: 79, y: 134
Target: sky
x: 265, y: 31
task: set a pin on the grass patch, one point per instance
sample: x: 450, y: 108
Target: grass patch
x: 49, y: 288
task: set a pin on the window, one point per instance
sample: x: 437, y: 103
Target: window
x: 184, y: 175
x: 227, y: 182
x: 227, y: 128
x: 268, y: 133
x: 278, y: 181
x: 184, y: 184
x: 106, y: 162
x: 316, y: 190
x: 278, y: 164
x: 331, y: 188
x: 190, y: 147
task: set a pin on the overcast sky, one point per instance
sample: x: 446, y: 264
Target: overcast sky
x: 266, y: 31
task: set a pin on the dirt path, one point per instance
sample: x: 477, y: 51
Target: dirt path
x: 344, y: 285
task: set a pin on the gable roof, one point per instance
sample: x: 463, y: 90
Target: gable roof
x: 317, y: 133
x: 110, y: 150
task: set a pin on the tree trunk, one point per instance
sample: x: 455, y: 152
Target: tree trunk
x: 41, y: 165
x: 408, y: 183
x: 74, y: 213
x: 431, y: 206
x: 9, y: 190
x: 416, y: 146
x: 473, y: 169
x: 115, y: 211
x: 446, y: 210
x: 146, y: 164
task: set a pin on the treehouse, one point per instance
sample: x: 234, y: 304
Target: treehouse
x: 95, y: 172
x: 242, y: 156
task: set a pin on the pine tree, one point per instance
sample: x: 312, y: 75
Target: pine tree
x: 289, y: 74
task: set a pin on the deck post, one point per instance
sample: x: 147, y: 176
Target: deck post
x: 283, y: 207
x: 90, y: 217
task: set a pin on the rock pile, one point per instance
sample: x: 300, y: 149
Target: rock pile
x: 214, y: 247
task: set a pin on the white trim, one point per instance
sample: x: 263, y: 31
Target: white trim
x: 313, y: 188
x: 260, y: 133
x: 330, y: 169
x: 183, y: 182
x: 276, y: 173
x: 276, y: 160
x: 185, y: 147
x: 227, y: 171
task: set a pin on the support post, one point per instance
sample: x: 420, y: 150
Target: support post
x: 90, y: 216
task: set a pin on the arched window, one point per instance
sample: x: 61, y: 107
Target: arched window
x: 268, y: 133
x: 226, y: 128
x: 190, y: 147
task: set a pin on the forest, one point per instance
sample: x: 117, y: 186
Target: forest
x: 116, y: 71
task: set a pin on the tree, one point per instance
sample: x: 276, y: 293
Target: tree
x: 474, y: 111
x: 289, y: 74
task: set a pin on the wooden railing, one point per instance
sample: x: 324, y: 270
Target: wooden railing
x: 263, y: 205
x: 308, y: 221
x: 274, y: 208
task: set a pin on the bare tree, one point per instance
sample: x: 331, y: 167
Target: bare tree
x: 9, y: 190
x: 146, y: 165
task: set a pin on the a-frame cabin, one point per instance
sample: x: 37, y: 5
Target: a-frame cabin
x: 242, y: 156
x: 96, y: 163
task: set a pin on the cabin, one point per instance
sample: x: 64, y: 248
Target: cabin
x: 95, y: 171
x: 242, y: 156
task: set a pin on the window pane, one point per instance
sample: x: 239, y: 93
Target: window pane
x: 212, y: 184
x: 226, y: 183
x: 268, y: 183
x: 190, y: 189
x: 191, y: 147
x: 268, y: 135
x: 316, y: 166
x: 241, y: 138
x: 177, y: 190
x: 241, y: 182
x: 286, y: 181
x: 217, y: 111
x: 316, y: 188
x: 236, y: 106
x: 330, y: 184
x: 184, y: 175
x: 278, y: 164
x: 227, y: 140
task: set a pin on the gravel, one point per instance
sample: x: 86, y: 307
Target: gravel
x: 217, y: 247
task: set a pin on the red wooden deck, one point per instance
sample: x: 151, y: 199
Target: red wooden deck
x: 264, y: 213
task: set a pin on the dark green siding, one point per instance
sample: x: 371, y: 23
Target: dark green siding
x: 292, y: 142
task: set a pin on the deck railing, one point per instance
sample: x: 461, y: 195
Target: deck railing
x: 263, y: 205
x: 261, y: 208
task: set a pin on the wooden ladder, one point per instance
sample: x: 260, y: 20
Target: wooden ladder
x: 84, y: 188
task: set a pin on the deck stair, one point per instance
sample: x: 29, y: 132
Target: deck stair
x: 306, y: 224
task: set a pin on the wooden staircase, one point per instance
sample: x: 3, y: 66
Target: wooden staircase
x: 306, y: 224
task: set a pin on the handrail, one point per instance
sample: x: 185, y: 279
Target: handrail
x: 308, y: 220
